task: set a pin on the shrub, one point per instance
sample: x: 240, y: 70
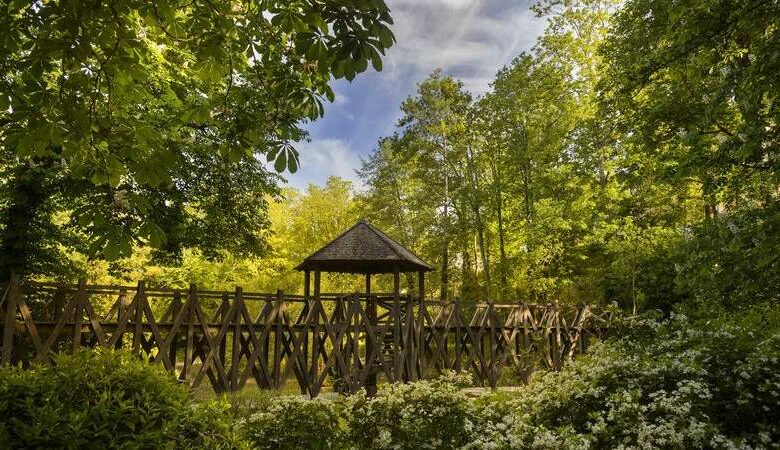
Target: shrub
x: 292, y: 423
x: 679, y: 383
x: 426, y: 414
x: 104, y: 399
x: 693, y: 385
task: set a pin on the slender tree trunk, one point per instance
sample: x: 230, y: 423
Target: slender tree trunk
x: 482, y: 249
x: 465, y: 267
x: 527, y: 190
x: 499, y: 207
x: 445, y: 257
x: 476, y: 208
x: 501, y: 245
x: 401, y: 222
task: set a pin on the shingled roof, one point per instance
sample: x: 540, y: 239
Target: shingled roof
x: 364, y: 249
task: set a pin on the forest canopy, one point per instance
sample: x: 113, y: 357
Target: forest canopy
x: 630, y: 156
x: 147, y: 123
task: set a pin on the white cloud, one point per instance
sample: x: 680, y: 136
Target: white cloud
x: 323, y: 158
x: 469, y: 39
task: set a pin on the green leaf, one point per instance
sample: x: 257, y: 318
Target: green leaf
x: 281, y: 162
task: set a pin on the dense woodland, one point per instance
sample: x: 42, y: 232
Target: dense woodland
x: 630, y: 158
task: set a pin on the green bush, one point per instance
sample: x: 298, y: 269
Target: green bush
x: 679, y: 383
x: 105, y: 399
x: 293, y: 423
x: 692, y: 385
x: 426, y: 414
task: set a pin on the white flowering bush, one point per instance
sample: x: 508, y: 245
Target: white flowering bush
x: 294, y: 423
x: 680, y: 383
x: 688, y: 386
x: 426, y: 414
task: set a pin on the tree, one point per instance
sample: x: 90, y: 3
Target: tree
x: 145, y: 120
x: 692, y: 88
x: 433, y: 145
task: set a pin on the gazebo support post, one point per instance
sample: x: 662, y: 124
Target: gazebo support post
x: 304, y: 315
x: 398, y: 357
x: 370, y: 328
x: 315, y: 344
x: 420, y: 338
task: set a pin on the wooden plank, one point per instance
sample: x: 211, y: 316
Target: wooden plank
x: 140, y: 296
x: 78, y: 314
x: 172, y: 340
x: 315, y: 345
x: 258, y: 357
x: 94, y: 322
x: 336, y: 337
x: 223, y: 315
x: 12, y: 297
x: 189, y: 345
x: 238, y: 299
x: 214, y: 344
x: 162, y: 343
x: 279, y: 308
x: 28, y: 323
x: 254, y: 363
x: 69, y: 308
x: 397, y: 351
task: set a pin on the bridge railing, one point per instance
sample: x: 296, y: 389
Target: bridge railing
x: 276, y: 340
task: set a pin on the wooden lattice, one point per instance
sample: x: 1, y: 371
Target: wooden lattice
x: 275, y: 340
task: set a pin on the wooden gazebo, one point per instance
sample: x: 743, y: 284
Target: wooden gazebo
x: 365, y: 250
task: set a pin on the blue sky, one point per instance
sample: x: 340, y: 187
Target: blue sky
x: 468, y: 39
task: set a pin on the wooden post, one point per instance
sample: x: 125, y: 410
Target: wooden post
x: 14, y: 291
x: 237, y: 334
x: 59, y: 303
x: 305, y: 330
x: 370, y: 349
x: 397, y: 357
x: 315, y: 345
x: 458, y: 334
x: 175, y: 308
x: 140, y: 301
x: 188, y: 347
x: 224, y: 317
x: 79, y: 314
x: 420, y: 353
x: 278, y: 338
x: 492, y: 372
x: 409, y: 341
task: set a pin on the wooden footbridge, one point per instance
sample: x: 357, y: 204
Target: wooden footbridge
x: 274, y: 341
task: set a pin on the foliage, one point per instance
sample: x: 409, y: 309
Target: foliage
x: 711, y: 380
x: 678, y: 384
x: 300, y: 223
x: 426, y: 414
x: 733, y: 259
x: 104, y: 399
x: 294, y: 422
x: 630, y: 157
x: 145, y: 121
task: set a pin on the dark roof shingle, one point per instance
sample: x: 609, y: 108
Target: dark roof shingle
x: 363, y: 249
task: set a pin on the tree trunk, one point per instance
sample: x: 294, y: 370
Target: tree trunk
x: 445, y: 257
x: 475, y: 206
x: 501, y: 245
x: 25, y: 224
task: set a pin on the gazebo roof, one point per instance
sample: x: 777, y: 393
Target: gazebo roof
x: 364, y: 249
